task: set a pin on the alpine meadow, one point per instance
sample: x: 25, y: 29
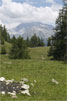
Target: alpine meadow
x: 33, y: 50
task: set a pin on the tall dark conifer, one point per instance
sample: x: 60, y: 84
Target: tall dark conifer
x: 59, y: 44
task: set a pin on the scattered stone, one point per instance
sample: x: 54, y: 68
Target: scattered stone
x: 32, y: 84
x: 12, y: 87
x: 54, y: 81
x: 3, y: 92
x: 25, y: 86
x: 35, y: 81
x: 12, y: 93
x: 9, y: 81
x: 2, y: 79
x: 24, y: 79
x: 22, y: 82
x: 26, y: 92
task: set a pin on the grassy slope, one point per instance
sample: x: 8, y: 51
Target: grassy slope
x: 41, y: 69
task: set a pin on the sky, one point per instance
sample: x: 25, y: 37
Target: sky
x: 15, y: 12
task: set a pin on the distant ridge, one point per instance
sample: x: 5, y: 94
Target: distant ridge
x: 28, y: 29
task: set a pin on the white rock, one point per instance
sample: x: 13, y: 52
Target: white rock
x: 24, y: 79
x: 26, y: 92
x: 3, y: 92
x: 9, y: 92
x: 22, y: 82
x: 9, y: 81
x: 54, y: 81
x: 2, y: 79
x: 35, y: 81
x: 12, y: 93
x: 25, y: 86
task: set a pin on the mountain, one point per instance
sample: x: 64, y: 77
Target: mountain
x: 28, y: 29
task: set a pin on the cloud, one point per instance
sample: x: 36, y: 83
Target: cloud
x: 6, y: 1
x: 39, y: 1
x: 12, y: 13
x: 50, y: 1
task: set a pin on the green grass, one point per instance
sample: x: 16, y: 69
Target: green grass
x: 41, y: 69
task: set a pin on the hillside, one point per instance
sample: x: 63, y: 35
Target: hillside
x: 39, y: 68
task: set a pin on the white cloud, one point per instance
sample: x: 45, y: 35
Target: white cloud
x: 1, y: 22
x: 12, y: 13
x: 49, y: 1
x: 6, y: 1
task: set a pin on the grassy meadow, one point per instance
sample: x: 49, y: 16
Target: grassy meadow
x: 39, y: 68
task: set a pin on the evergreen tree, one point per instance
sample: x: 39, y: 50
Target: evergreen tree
x: 2, y: 41
x: 41, y: 42
x: 4, y: 35
x: 28, y: 42
x: 19, y: 49
x: 13, y: 39
x: 49, y: 41
x: 34, y: 41
x: 38, y: 41
x: 3, y: 50
x: 0, y: 31
x: 1, y: 38
x: 59, y: 44
x: 8, y: 38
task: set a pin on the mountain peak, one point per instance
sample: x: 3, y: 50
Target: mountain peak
x: 28, y: 29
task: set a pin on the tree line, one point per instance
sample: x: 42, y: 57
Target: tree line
x: 20, y: 46
x: 4, y: 35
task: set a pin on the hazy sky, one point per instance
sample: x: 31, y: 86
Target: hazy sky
x: 14, y: 12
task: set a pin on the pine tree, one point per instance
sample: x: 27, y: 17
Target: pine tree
x: 19, y: 49
x: 1, y: 38
x: 34, y: 41
x: 38, y: 41
x: 2, y: 41
x: 3, y: 50
x: 49, y: 41
x: 8, y: 38
x: 42, y: 42
x: 4, y: 35
x: 28, y: 42
x: 13, y: 39
x: 58, y: 49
